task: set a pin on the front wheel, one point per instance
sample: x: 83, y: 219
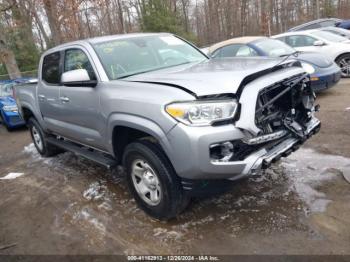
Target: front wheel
x: 344, y: 63
x: 153, y: 181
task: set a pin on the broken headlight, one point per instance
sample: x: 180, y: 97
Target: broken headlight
x: 202, y: 113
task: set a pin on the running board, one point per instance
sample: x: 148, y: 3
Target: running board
x: 95, y: 155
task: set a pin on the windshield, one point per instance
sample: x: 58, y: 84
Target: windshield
x: 125, y: 57
x: 273, y: 47
x: 6, y: 90
x: 338, y: 31
x: 329, y: 36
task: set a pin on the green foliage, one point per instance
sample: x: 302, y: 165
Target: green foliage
x: 26, y: 53
x: 157, y: 16
x: 21, y: 41
x: 2, y: 70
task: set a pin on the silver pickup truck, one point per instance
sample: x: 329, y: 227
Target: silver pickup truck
x: 173, y: 118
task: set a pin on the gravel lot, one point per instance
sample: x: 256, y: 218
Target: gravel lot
x: 68, y: 205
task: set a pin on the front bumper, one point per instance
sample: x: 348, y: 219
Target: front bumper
x: 13, y: 119
x: 191, y: 157
x: 325, y: 78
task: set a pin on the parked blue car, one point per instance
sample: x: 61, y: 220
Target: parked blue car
x: 323, y: 71
x: 9, y: 115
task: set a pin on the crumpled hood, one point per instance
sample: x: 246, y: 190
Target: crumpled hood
x: 7, y: 101
x: 210, y: 77
x: 317, y: 59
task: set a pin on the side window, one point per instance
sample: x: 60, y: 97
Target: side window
x: 300, y: 40
x: 309, y: 41
x: 51, y: 68
x: 230, y: 50
x: 77, y: 59
x: 217, y: 53
x: 245, y: 50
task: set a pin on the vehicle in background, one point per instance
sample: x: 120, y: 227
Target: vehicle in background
x: 315, y: 24
x: 9, y: 115
x: 324, y: 73
x: 337, y: 30
x: 334, y: 46
x: 345, y: 24
x: 178, y: 121
x: 205, y: 50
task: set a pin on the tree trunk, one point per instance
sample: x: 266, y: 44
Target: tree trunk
x: 7, y: 57
x: 51, y: 12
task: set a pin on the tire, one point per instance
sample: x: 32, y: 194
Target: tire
x: 39, y: 139
x: 155, y: 174
x: 344, y: 63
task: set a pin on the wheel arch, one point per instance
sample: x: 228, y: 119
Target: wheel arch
x: 340, y: 55
x: 26, y: 113
x: 124, y: 129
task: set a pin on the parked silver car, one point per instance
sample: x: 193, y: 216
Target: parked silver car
x: 172, y: 117
x: 316, y: 24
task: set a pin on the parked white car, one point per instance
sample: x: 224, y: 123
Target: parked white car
x: 332, y: 45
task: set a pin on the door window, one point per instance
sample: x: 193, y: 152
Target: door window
x: 51, y: 68
x: 77, y: 59
x: 300, y: 40
x: 235, y: 50
x: 245, y: 50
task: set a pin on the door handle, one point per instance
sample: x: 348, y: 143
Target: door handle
x: 41, y: 97
x: 64, y: 99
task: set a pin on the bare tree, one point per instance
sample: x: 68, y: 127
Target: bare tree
x: 7, y: 57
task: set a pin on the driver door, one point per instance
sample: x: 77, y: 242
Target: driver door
x: 80, y: 114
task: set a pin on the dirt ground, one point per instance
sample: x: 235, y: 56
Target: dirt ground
x: 68, y: 205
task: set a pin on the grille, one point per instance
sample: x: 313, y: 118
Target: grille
x: 282, y: 102
x: 15, y: 119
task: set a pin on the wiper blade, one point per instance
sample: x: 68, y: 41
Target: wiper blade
x: 285, y: 59
x: 296, y: 53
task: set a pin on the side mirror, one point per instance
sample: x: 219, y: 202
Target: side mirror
x: 33, y: 81
x: 319, y: 43
x: 78, y: 77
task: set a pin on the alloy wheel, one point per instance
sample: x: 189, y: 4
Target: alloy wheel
x: 344, y: 65
x: 146, y: 182
x: 37, y: 138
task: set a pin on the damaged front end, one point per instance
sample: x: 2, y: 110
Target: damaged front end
x: 285, y: 115
x: 284, y: 119
x: 286, y: 106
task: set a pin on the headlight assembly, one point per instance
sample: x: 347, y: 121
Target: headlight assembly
x: 308, y: 68
x: 202, y: 113
x: 10, y: 108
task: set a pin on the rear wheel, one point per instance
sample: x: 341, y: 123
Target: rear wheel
x: 39, y: 139
x: 344, y: 63
x: 152, y: 180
